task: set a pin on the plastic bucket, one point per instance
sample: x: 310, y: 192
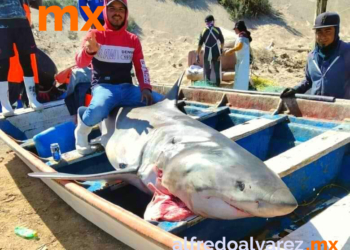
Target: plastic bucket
x: 62, y: 134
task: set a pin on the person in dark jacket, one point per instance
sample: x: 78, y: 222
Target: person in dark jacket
x: 15, y: 29
x: 328, y: 65
x: 213, y: 41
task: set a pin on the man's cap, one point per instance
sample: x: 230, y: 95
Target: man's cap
x: 209, y: 18
x: 327, y: 19
x: 111, y: 1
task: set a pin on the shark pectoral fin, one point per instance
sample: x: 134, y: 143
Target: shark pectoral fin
x: 118, y: 174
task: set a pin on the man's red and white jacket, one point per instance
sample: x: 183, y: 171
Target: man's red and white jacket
x: 119, y: 51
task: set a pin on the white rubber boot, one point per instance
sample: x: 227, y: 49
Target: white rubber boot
x: 81, y: 135
x: 30, y: 89
x: 5, y: 103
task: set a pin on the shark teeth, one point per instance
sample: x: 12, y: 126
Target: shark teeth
x: 238, y: 209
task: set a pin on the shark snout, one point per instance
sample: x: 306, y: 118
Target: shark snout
x: 282, y: 202
x: 285, y: 198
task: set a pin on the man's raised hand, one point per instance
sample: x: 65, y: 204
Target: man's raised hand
x: 91, y: 45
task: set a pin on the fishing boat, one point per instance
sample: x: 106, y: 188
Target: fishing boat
x: 305, y: 140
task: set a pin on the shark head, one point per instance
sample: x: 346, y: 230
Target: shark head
x: 227, y: 182
x: 216, y: 178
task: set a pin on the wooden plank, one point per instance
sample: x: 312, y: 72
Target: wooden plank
x: 251, y: 127
x: 330, y: 225
x: 21, y: 111
x: 207, y: 113
x: 28, y: 144
x: 31, y: 122
x: 307, y: 152
x: 74, y: 157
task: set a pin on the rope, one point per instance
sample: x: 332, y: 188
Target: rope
x: 328, y: 186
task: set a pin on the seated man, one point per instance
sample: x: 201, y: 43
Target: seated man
x: 112, y: 54
x: 328, y: 67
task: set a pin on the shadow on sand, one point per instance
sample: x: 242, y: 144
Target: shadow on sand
x: 193, y: 4
x: 276, y: 19
x: 137, y: 30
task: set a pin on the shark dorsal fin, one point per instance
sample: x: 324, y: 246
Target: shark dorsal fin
x: 173, y: 94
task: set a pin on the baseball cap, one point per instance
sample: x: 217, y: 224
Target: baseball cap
x: 111, y: 1
x: 209, y: 18
x: 327, y: 19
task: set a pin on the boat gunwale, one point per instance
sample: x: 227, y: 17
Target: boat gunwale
x: 337, y: 110
x: 130, y: 220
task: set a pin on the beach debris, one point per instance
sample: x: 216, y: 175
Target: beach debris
x: 270, y: 47
x: 26, y: 233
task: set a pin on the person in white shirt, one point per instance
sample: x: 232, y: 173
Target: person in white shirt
x: 242, y: 50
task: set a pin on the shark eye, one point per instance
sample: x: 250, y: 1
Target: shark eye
x: 123, y: 165
x: 240, y: 185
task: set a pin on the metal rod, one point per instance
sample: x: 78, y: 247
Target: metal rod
x: 298, y: 96
x: 321, y: 7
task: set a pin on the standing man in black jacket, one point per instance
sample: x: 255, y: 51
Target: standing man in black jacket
x: 213, y: 41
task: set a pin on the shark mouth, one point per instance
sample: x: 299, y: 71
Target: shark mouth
x: 240, y: 210
x: 166, y: 207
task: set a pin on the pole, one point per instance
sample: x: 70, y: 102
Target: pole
x: 321, y: 6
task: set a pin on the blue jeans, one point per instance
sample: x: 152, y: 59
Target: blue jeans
x: 105, y: 97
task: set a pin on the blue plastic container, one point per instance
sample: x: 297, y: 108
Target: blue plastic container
x: 62, y: 134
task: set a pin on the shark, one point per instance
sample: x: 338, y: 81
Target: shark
x: 160, y: 146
